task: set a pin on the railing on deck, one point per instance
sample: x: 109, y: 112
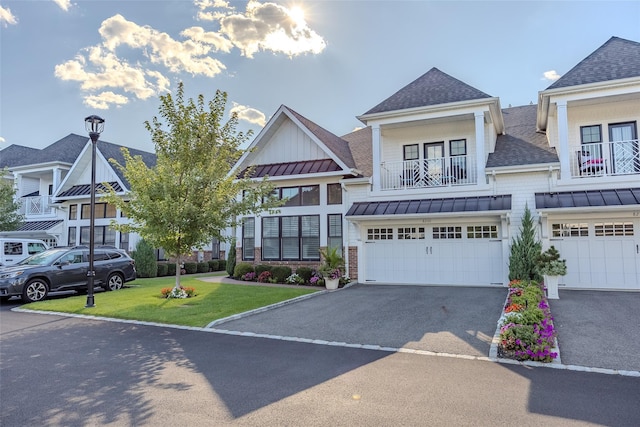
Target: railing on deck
x: 606, y: 159
x: 35, y: 206
x: 437, y: 172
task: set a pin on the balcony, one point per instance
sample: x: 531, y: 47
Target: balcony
x: 36, y: 206
x: 606, y: 159
x: 428, y: 173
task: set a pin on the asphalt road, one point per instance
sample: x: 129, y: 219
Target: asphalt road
x: 58, y: 371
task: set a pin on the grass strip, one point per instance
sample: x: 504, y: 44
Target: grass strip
x: 142, y: 300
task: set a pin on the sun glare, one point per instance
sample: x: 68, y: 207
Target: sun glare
x: 297, y: 14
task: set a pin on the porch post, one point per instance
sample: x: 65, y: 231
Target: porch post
x: 375, y: 141
x: 563, y: 140
x: 480, y: 156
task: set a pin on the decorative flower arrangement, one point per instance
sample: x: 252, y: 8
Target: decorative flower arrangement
x: 549, y: 263
x: 264, y: 277
x: 294, y: 279
x: 181, y: 292
x: 527, y: 331
x: 249, y: 277
x: 332, y: 264
x: 316, y: 279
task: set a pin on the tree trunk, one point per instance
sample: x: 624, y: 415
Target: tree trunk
x: 178, y: 272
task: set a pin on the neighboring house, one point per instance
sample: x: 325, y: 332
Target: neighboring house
x: 433, y: 189
x: 53, y: 186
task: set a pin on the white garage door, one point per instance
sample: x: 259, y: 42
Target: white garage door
x: 600, y: 254
x: 434, y: 254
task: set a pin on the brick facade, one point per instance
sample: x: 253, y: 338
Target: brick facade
x: 353, y: 263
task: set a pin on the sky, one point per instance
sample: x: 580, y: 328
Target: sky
x: 331, y: 61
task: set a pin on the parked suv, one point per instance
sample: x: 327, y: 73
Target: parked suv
x: 65, y: 268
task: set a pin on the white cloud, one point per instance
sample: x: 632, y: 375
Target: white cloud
x: 249, y: 114
x: 64, y: 4
x: 103, y: 100
x: 268, y: 26
x: 6, y: 17
x: 551, y: 75
x: 221, y: 6
x: 263, y: 26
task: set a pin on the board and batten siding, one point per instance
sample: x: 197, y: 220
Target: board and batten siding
x: 289, y: 144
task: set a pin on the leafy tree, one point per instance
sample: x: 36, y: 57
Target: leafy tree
x: 189, y: 196
x: 10, y: 219
x: 145, y: 257
x: 525, y: 250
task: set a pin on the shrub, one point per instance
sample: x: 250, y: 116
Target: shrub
x: 249, y: 277
x: 525, y: 250
x: 550, y: 264
x: 203, y: 267
x: 213, y: 265
x: 305, y: 273
x: 242, y: 269
x: 163, y: 268
x: 295, y: 279
x: 280, y: 273
x: 191, y: 267
x: 222, y: 264
x: 171, y: 269
x: 231, y: 260
x: 265, y: 277
x: 316, y: 279
x: 262, y: 267
x: 145, y: 257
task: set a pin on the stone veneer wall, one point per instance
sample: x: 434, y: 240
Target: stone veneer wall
x: 353, y: 263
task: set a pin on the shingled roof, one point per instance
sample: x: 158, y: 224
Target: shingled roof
x: 361, y: 149
x: 521, y: 144
x: 616, y: 59
x: 432, y: 88
x: 16, y: 155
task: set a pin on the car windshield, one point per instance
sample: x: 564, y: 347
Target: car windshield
x: 43, y: 258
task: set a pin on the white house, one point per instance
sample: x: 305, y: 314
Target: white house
x: 433, y: 188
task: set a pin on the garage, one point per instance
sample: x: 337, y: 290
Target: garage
x: 601, y: 253
x: 454, y: 241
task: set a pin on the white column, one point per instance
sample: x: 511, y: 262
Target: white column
x: 563, y: 140
x: 375, y: 141
x: 480, y: 156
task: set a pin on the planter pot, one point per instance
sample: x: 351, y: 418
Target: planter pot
x: 331, y: 283
x: 551, y: 282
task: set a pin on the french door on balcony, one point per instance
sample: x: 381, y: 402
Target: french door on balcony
x: 433, y: 161
x: 625, y: 158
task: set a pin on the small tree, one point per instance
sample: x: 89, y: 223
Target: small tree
x: 231, y: 259
x: 525, y: 250
x: 189, y: 196
x: 145, y: 257
x: 10, y: 219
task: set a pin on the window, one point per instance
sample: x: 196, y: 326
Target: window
x: 380, y: 234
x: 291, y: 238
x: 34, y: 248
x: 12, y: 248
x: 334, y: 232
x: 124, y: 241
x: 308, y: 195
x: 410, y: 152
x: 411, y: 233
x: 248, y: 238
x: 215, y: 248
x: 334, y: 194
x: 73, y: 212
x: 102, y: 235
x: 102, y: 210
x: 71, y: 237
x: 614, y: 229
x: 570, y: 230
x: 590, y: 134
x: 451, y: 232
x: 482, y: 232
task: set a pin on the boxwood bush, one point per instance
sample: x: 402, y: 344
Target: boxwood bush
x: 203, y: 267
x: 305, y: 273
x: 171, y: 269
x: 262, y: 267
x: 213, y: 265
x: 191, y: 267
x: 280, y: 273
x: 163, y: 269
x: 242, y: 269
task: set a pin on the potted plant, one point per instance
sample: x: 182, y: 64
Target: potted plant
x: 551, y: 267
x: 331, y: 267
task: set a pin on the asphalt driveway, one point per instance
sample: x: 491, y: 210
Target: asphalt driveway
x: 454, y: 320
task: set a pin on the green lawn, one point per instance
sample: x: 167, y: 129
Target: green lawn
x: 142, y: 300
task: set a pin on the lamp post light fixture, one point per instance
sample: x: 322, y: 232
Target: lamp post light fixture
x: 94, y: 125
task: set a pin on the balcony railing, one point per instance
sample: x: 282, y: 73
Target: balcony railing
x: 606, y: 159
x: 36, y: 206
x: 436, y: 172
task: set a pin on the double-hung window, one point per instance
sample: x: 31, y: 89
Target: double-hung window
x: 458, y: 153
x: 334, y: 232
x: 248, y: 238
x: 291, y: 238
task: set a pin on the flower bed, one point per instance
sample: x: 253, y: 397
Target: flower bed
x: 526, y: 326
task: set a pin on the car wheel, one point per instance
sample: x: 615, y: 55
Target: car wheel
x: 35, y: 290
x: 114, y: 282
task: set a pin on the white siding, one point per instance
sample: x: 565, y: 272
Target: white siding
x: 289, y: 144
x: 522, y: 187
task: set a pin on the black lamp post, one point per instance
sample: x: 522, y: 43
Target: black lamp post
x: 95, y: 126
